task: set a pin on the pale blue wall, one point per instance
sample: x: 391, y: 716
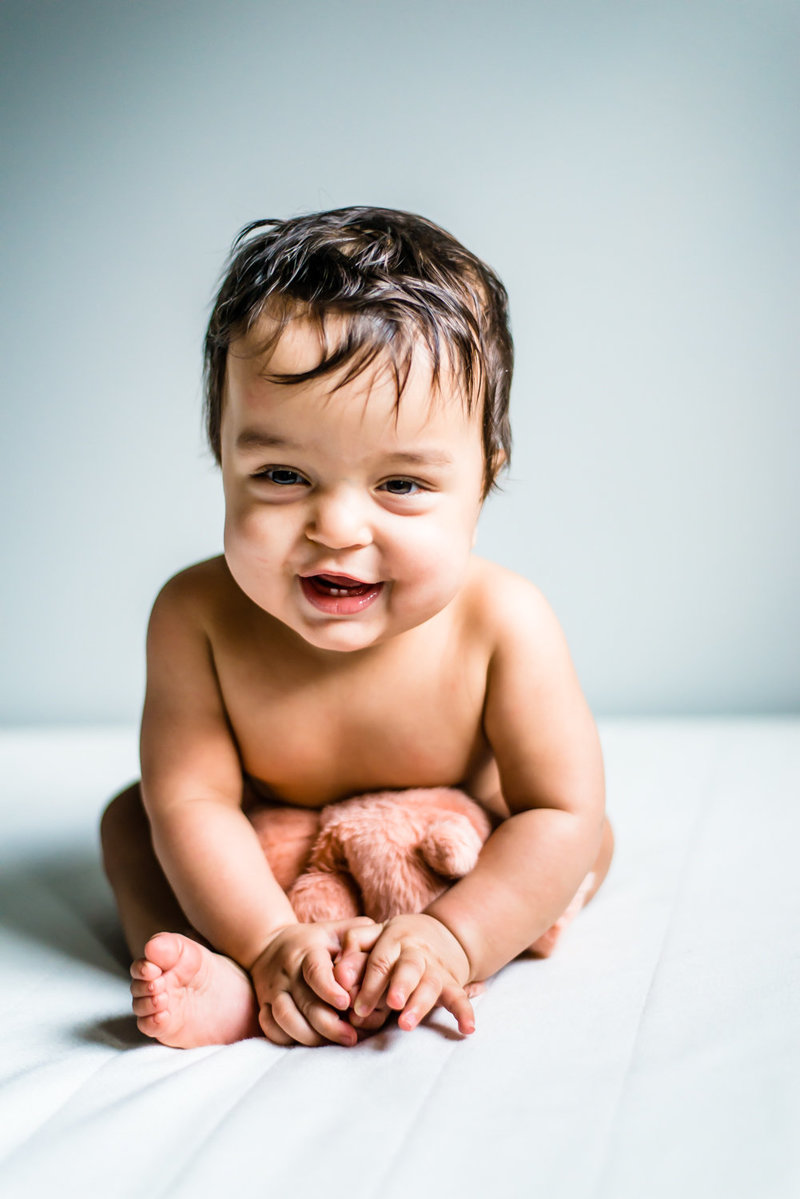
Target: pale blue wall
x: 631, y: 170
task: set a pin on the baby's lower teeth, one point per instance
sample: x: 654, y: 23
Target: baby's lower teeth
x: 339, y: 592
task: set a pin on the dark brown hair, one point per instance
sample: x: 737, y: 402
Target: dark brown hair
x: 394, y: 277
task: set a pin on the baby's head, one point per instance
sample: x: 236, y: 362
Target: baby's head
x: 358, y: 367
x: 392, y: 281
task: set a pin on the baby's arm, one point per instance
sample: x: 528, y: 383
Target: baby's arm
x: 548, y: 754
x: 192, y: 790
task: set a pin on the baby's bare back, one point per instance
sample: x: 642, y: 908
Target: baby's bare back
x: 313, y: 727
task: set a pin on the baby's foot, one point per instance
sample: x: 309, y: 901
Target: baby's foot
x: 184, y: 995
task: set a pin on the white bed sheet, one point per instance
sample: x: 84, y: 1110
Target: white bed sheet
x: 657, y: 1053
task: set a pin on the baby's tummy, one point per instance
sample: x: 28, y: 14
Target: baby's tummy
x: 309, y: 789
x: 257, y: 794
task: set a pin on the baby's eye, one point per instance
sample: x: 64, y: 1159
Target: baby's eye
x: 282, y: 476
x: 401, y: 487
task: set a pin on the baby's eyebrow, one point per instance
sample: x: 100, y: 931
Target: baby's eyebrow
x: 426, y: 457
x: 259, y: 439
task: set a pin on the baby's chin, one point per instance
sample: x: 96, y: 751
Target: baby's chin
x: 340, y: 643
x: 337, y: 635
x: 382, y: 621
x: 356, y: 636
x: 351, y: 635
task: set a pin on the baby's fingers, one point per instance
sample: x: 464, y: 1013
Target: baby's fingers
x: 422, y: 1001
x: 430, y: 994
x: 377, y: 973
x: 318, y: 972
x: 309, y: 1022
x: 357, y: 937
x: 291, y: 1020
x: 348, y: 969
x: 406, y: 979
x: 356, y: 942
x: 457, y: 1003
x: 271, y: 1029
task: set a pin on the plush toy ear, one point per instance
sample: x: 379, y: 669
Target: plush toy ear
x: 322, y: 895
x: 392, y: 878
x: 451, y: 846
x: 325, y: 891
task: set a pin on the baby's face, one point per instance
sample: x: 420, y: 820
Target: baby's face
x: 348, y: 518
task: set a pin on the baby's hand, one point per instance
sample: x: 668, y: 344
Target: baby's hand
x: 348, y: 969
x: 299, y: 997
x: 416, y: 963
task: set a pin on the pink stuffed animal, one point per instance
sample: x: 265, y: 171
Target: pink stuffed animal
x: 375, y: 855
x: 380, y: 855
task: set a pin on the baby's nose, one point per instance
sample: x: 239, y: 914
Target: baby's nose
x: 339, y: 520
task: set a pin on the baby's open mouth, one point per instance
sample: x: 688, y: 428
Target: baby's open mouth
x: 339, y: 585
x: 339, y: 595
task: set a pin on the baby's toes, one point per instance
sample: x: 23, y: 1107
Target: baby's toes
x: 152, y: 1026
x: 144, y: 970
x: 149, y: 1005
x: 139, y: 987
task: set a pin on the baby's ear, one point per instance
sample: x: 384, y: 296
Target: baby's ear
x: 451, y: 846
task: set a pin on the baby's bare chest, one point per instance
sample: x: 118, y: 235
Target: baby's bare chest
x: 313, y: 737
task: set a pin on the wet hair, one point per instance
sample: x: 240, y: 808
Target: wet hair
x: 396, y: 279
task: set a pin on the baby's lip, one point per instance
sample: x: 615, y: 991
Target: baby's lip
x: 339, y: 579
x: 337, y: 594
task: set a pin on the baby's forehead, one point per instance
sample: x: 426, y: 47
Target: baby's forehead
x: 368, y: 412
x: 303, y: 345
x: 286, y: 347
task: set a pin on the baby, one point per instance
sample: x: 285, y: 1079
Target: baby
x: 358, y: 365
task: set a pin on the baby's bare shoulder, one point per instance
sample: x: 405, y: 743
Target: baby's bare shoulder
x: 200, y: 601
x: 199, y: 589
x: 203, y: 604
x: 506, y: 606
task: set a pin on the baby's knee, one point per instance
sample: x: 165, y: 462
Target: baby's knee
x: 603, y: 863
x: 122, y: 822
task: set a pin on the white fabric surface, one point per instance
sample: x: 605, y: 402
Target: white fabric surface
x: 656, y: 1054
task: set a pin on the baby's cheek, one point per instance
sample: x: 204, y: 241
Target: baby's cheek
x: 246, y: 526
x: 250, y: 567
x: 232, y: 536
x: 251, y: 542
x: 439, y: 565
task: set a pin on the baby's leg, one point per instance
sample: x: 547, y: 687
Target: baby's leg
x: 183, y: 993
x: 601, y: 865
x: 545, y: 945
x: 145, y: 900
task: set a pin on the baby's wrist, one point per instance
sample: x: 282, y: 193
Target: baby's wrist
x: 461, y: 947
x: 261, y: 957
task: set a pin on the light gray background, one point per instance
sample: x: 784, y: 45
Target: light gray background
x: 630, y: 169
